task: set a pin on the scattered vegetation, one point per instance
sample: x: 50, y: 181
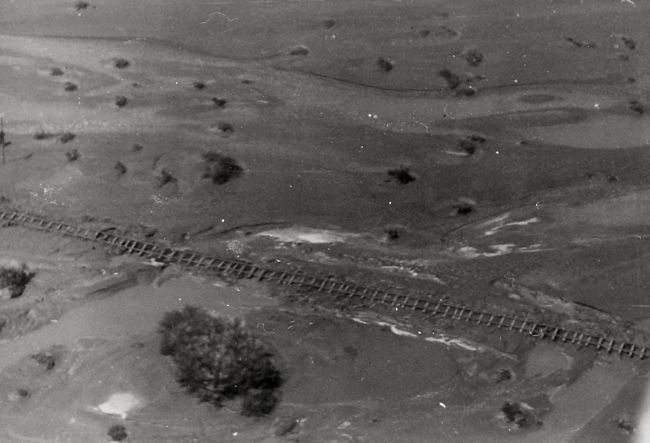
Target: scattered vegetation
x: 165, y: 177
x: 219, y: 359
x: 504, y: 375
x: 628, y: 42
x: 393, y: 232
x: 56, y: 72
x: 69, y: 86
x: 72, y: 155
x: 42, y: 135
x: 67, y: 137
x: 199, y: 85
x: 472, y: 143
x: 636, y: 106
x: 137, y: 147
x: 625, y: 423
x: 45, y: 359
x: 329, y: 23
x: 117, y: 433
x: 121, y: 101
x: 121, y: 63
x: 385, y: 64
x: 473, y: 56
x: 226, y: 127
x: 299, y: 50
x: 120, y: 168
x: 453, y: 80
x: 464, y: 206
x: 81, y: 5
x: 13, y: 280
x: 220, y: 168
x: 22, y: 393
x: 518, y: 415
x: 219, y: 102
x: 402, y: 175
x: 581, y: 43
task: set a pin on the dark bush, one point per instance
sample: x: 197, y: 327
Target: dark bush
x: 385, y: 64
x: 473, y: 56
x: 137, y: 147
x: 55, y: 72
x: 219, y: 359
x: 199, y: 85
x: 42, y: 135
x: 220, y: 168
x: 259, y: 402
x: 164, y: 178
x: 117, y: 433
x: 121, y: 63
x: 219, y: 102
x: 69, y: 87
x: 226, y: 127
x: 72, y: 155
x: 81, y: 5
x: 45, y: 359
x: 15, y: 280
x: 453, y: 80
x: 121, y: 101
x: 329, y: 23
x: 402, y: 175
x: 120, y: 168
x: 636, y: 106
x: 67, y: 137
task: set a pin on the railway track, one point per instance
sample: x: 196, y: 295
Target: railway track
x: 333, y: 286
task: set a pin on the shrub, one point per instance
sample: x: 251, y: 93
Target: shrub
x: 453, y: 80
x: 121, y: 63
x: 385, y: 64
x: 72, y: 155
x: 198, y: 85
x: 42, y: 135
x: 70, y: 87
x: 55, y: 72
x: 67, y: 137
x: 81, y: 5
x: 117, y: 433
x: 219, y: 359
x: 15, y: 279
x: 219, y: 102
x: 120, y: 168
x: 164, y: 178
x: 220, y: 168
x: 402, y: 175
x: 121, y: 101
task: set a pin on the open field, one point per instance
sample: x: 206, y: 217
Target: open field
x: 493, y: 153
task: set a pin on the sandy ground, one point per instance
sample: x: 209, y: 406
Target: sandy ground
x: 349, y: 166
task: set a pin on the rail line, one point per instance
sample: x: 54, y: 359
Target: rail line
x: 330, y: 285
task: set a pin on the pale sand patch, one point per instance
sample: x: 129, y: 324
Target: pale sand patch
x: 307, y: 235
x: 120, y: 404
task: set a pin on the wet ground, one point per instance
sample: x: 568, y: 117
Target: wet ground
x: 492, y: 154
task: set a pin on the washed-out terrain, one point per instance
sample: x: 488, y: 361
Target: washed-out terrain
x: 494, y: 154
